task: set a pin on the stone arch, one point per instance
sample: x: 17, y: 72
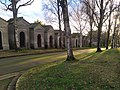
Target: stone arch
x: 22, y: 39
x: 51, y: 41
x: 60, y: 42
x: 76, y: 43
x: 39, y: 40
x: 64, y: 42
x: 56, y: 43
x: 1, y: 41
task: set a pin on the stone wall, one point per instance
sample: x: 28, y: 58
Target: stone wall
x: 22, y: 31
x: 4, y: 34
x: 37, y: 36
x: 49, y: 36
x: 76, y: 40
x: 34, y: 35
x: 57, y: 39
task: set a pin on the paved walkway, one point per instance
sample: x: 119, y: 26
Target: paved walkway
x: 21, y: 63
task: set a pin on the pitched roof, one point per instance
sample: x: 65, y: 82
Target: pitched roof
x: 18, y: 18
x: 47, y: 27
x: 33, y: 25
x: 11, y: 19
x: 75, y: 34
x: 57, y: 31
x: 3, y: 19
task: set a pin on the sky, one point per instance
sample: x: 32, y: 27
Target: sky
x: 30, y: 13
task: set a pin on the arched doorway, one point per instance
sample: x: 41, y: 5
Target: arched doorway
x: 39, y: 40
x: 1, y: 41
x: 51, y: 41
x: 56, y: 43
x: 64, y: 42
x: 60, y: 42
x: 22, y: 39
x: 76, y: 43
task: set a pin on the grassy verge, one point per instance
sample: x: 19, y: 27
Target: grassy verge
x: 93, y: 71
x: 22, y: 52
x: 15, y: 64
x: 4, y: 83
x: 12, y: 53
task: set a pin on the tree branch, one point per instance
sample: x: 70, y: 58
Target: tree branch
x: 25, y: 4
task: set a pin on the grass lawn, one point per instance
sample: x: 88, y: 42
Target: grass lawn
x: 13, y: 65
x: 93, y: 71
x: 4, y: 83
x: 23, y: 52
x: 26, y: 52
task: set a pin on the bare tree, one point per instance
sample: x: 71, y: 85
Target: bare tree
x: 14, y: 5
x: 64, y: 6
x: 100, y: 15
x: 50, y: 8
x: 78, y: 18
x: 109, y: 26
x: 90, y: 13
x: 115, y: 30
x: 53, y: 7
x: 110, y: 22
x: 59, y: 21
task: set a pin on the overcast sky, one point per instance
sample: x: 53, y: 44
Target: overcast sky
x: 31, y: 13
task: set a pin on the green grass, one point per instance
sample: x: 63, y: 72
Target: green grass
x: 93, y: 71
x: 4, y: 83
x: 22, y: 63
x: 12, y: 53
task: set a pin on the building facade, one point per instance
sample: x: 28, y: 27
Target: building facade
x: 22, y: 33
x: 76, y: 40
x: 49, y: 36
x: 33, y: 36
x: 37, y: 36
x: 4, y: 45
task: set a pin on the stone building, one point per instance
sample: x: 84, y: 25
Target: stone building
x: 57, y: 39
x: 49, y: 36
x: 4, y: 45
x: 85, y: 41
x: 22, y: 33
x: 76, y: 40
x: 60, y: 42
x: 36, y: 36
x: 64, y: 39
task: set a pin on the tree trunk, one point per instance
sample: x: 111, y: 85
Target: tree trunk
x: 108, y: 33
x: 113, y: 40
x: 59, y: 20
x: 99, y: 37
x: 64, y: 5
x: 91, y: 30
x: 109, y: 26
x: 113, y: 36
x: 15, y: 24
x: 100, y: 26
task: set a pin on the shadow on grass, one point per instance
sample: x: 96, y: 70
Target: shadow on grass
x: 74, y: 75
